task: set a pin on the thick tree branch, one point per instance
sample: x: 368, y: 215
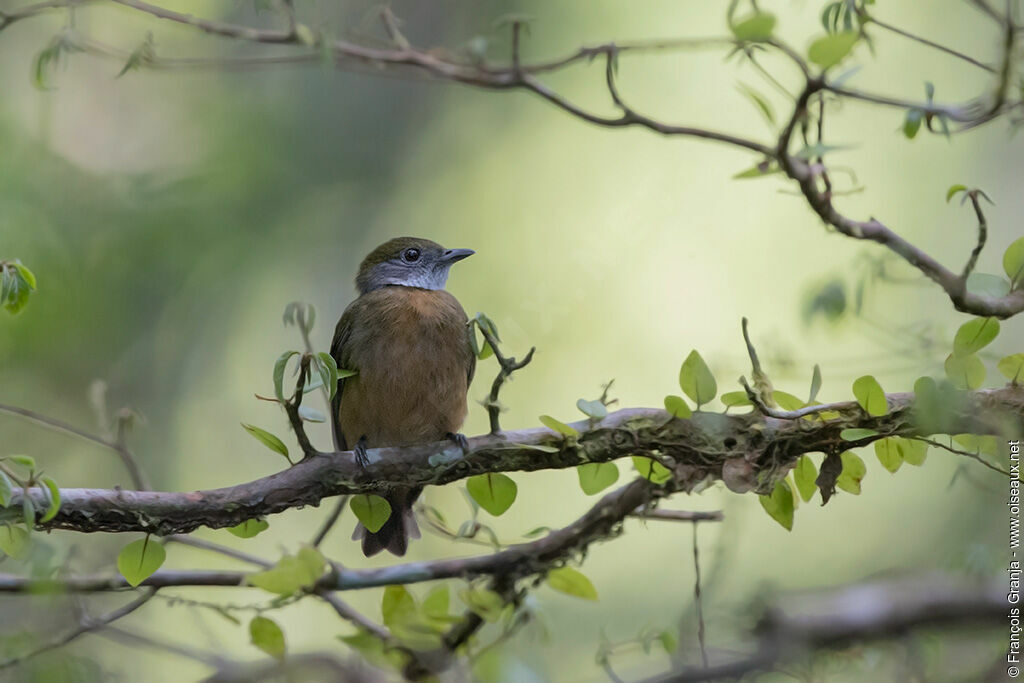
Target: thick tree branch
x: 698, y: 446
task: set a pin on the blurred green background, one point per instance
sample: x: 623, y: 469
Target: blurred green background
x: 170, y: 217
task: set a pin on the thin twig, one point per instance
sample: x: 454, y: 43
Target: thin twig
x: 929, y: 43
x: 698, y: 600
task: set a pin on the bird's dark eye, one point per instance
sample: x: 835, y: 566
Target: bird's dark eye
x: 411, y: 255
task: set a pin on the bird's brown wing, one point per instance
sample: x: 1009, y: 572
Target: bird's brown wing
x: 342, y: 334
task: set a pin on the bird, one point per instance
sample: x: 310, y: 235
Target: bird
x: 408, y: 340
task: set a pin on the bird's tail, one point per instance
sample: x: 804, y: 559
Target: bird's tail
x: 401, y: 526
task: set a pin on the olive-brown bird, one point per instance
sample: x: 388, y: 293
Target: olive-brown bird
x: 408, y: 340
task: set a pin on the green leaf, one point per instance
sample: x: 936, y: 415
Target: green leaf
x: 14, y: 541
x: 912, y: 124
x: 984, y: 284
x: 787, y: 401
x: 560, y: 427
x: 913, y: 451
x: 139, y: 559
x: 651, y: 469
x: 677, y: 407
x: 328, y: 368
x: 965, y: 372
x: 267, y: 636
x: 436, y: 604
x: 668, y: 641
x: 249, y: 528
x: 373, y: 511
x: 815, y: 384
x: 1012, y: 367
x: 974, y: 335
x: 696, y: 380
x: 756, y: 27
x: 54, y: 506
x: 494, y: 492
x: 856, y: 434
x: 26, y: 461
x: 1013, y: 262
x: 311, y: 415
x: 762, y: 104
x: 804, y: 475
x: 267, y: 439
x: 870, y: 396
x: 6, y: 490
x: 291, y: 573
x: 854, y: 471
x: 953, y: 189
x: 888, y: 453
x: 397, y: 607
x: 733, y: 399
x: 592, y: 409
x: 828, y: 51
x: 27, y: 275
x: 483, y: 602
x: 571, y: 582
x: 597, y: 476
x: 779, y: 505
x: 760, y: 170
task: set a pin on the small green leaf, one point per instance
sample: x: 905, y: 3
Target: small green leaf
x: 856, y: 434
x: 571, y: 582
x: 757, y: 27
x: 483, y: 602
x: 984, y: 284
x: 560, y: 427
x: 279, y: 368
x: 311, y: 415
x: 913, y: 451
x: 1012, y: 367
x: 965, y: 372
x: 26, y: 461
x: 828, y: 51
x: 815, y: 384
x: 249, y: 528
x: 870, y: 396
x: 6, y: 490
x: 732, y: 399
x: 668, y: 641
x: 436, y: 603
x: 804, y: 475
x: 1013, y: 262
x: 779, y: 505
x: 787, y: 401
x: 291, y: 573
x: 974, y: 335
x: 139, y: 559
x: 305, y: 35
x: 27, y: 275
x: 54, y: 506
x: 912, y: 124
x: 328, y: 369
x: 494, y: 492
x: 373, y: 511
x: 953, y: 189
x: 651, y: 469
x: 677, y: 407
x: 696, y: 380
x: 14, y: 541
x: 267, y: 439
x: 760, y: 102
x: 397, y: 607
x: 853, y: 472
x: 267, y: 636
x: 889, y: 454
x: 592, y: 409
x: 597, y: 476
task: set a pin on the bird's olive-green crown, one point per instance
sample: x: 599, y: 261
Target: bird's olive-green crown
x: 408, y: 262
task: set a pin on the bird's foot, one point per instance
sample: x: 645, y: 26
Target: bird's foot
x: 459, y: 440
x: 360, y: 453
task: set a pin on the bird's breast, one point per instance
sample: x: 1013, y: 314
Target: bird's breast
x: 410, y: 348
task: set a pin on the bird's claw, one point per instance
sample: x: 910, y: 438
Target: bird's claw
x: 459, y: 440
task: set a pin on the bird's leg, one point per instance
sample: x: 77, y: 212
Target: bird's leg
x: 359, y: 450
x: 460, y: 440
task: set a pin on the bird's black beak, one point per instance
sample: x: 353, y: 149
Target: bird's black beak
x: 455, y: 255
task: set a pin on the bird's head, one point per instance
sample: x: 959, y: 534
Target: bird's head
x: 408, y: 262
